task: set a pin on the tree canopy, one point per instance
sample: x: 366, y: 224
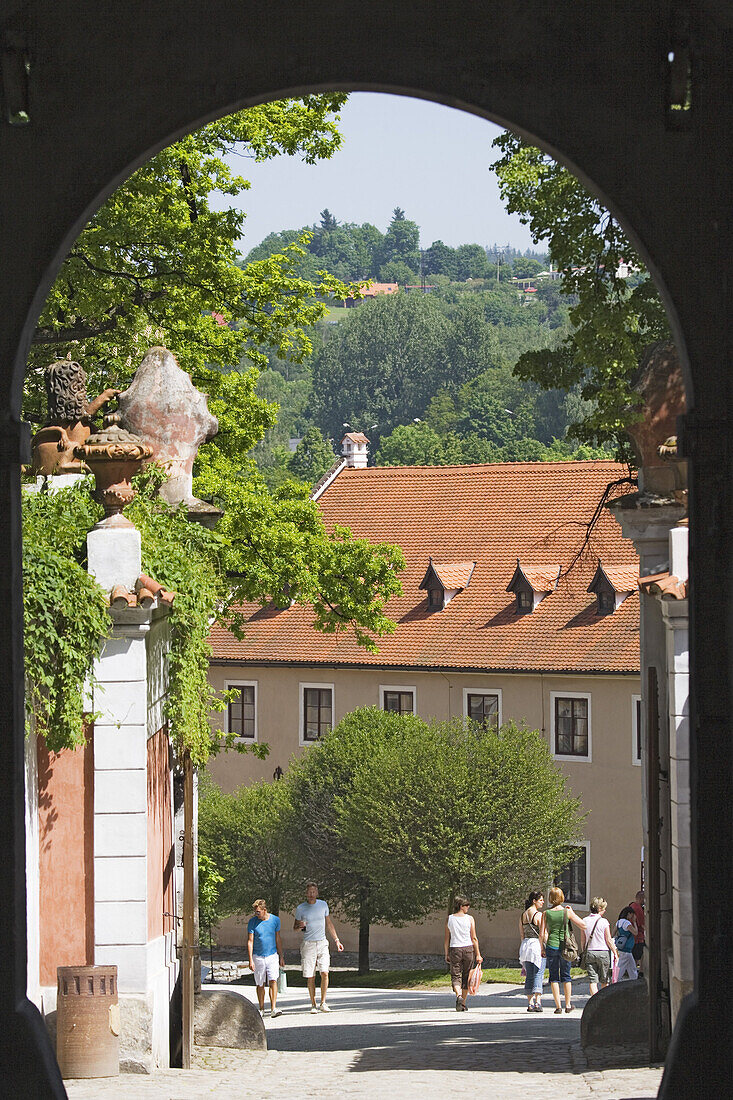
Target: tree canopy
x: 614, y: 318
x: 457, y: 808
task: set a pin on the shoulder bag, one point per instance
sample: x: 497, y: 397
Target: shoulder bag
x: 584, y: 952
x: 569, y: 948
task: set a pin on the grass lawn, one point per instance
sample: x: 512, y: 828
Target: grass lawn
x: 436, y: 978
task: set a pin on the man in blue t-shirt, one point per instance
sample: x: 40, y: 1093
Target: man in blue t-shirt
x: 265, y: 950
x: 312, y: 917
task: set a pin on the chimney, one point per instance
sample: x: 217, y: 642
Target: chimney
x: 355, y: 449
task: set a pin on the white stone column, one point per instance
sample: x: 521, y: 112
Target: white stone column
x: 120, y: 804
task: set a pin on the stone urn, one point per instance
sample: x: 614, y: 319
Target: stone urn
x: 114, y: 456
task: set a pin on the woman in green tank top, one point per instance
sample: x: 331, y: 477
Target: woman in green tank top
x: 553, y: 935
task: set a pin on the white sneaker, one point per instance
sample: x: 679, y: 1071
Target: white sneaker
x: 314, y: 1010
x: 324, y: 1007
x: 276, y: 1012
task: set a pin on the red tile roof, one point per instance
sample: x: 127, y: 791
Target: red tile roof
x: 491, y: 514
x: 454, y: 575
x: 622, y: 578
x: 356, y: 437
x: 666, y: 585
x: 147, y: 591
x: 540, y: 578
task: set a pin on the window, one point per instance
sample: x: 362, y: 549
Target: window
x: 636, y: 729
x: 242, y: 712
x: 435, y: 599
x: 482, y: 707
x: 398, y: 700
x: 571, y: 726
x: 606, y: 602
x: 573, y: 879
x: 316, y: 711
x: 525, y: 600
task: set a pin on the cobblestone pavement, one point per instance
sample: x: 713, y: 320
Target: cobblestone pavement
x: 410, y: 1043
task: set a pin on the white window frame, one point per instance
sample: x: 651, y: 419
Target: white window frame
x: 588, y: 892
x: 483, y: 691
x: 242, y: 684
x: 562, y: 756
x: 398, y: 687
x: 636, y: 709
x: 301, y: 709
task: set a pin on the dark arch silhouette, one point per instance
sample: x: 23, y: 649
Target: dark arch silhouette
x: 111, y: 84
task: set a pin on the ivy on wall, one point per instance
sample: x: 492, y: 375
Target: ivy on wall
x: 66, y: 616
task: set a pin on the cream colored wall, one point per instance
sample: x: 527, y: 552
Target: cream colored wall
x: 609, y: 785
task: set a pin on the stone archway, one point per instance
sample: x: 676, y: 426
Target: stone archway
x: 105, y: 90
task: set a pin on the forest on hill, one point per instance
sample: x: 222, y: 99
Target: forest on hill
x: 426, y: 373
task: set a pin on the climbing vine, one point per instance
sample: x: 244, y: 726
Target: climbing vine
x: 66, y: 614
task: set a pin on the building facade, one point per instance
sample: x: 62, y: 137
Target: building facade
x: 519, y: 603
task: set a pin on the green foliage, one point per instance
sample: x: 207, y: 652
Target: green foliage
x: 157, y: 264
x: 65, y: 615
x: 210, y: 880
x: 453, y: 807
x: 312, y: 458
x: 401, y: 245
x: 246, y: 838
x: 614, y: 319
x: 319, y: 781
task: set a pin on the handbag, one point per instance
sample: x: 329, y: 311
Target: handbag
x: 569, y: 950
x: 282, y: 981
x: 584, y: 952
x: 474, y: 978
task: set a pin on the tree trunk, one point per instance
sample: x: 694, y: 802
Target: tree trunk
x: 364, y: 933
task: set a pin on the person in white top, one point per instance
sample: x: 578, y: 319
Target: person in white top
x: 461, y: 949
x: 599, y: 946
x: 313, y: 919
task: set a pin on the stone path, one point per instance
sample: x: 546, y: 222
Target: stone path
x: 413, y: 1045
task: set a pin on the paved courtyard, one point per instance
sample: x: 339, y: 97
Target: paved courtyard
x: 411, y: 1045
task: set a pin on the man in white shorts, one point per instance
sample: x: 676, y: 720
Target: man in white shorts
x: 265, y: 950
x: 313, y: 918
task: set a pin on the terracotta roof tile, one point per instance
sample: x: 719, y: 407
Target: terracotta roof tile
x: 356, y: 437
x: 453, y: 575
x: 492, y: 514
x: 540, y: 578
x: 622, y: 578
x: 666, y: 585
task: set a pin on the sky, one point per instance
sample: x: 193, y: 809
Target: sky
x: 431, y: 160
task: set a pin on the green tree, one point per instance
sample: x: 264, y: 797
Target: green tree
x: 157, y: 264
x: 401, y: 242
x: 382, y: 365
x: 453, y: 807
x: 614, y: 319
x: 418, y: 445
x: 312, y: 458
x: 317, y: 781
x: 245, y: 836
x: 471, y: 262
x: 440, y: 259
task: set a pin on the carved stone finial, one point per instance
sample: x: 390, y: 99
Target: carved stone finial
x: 163, y: 406
x: 114, y: 456
x: 69, y: 414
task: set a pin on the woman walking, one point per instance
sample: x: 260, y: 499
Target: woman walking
x: 599, y: 947
x: 531, y: 954
x: 461, y: 949
x: 624, y: 939
x: 554, y: 921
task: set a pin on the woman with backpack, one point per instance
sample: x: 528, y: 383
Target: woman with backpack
x: 530, y: 949
x: 624, y: 939
x: 555, y: 922
x: 599, y: 947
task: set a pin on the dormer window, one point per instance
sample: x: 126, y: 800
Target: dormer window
x: 531, y: 583
x: 612, y: 585
x: 435, y: 599
x: 524, y: 600
x: 443, y: 582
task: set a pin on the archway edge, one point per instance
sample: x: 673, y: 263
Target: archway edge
x: 452, y: 102
x: 150, y: 90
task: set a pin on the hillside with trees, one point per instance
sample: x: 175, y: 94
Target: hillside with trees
x: 427, y: 373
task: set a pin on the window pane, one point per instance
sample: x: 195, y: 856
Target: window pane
x: 247, y: 694
x: 564, y: 708
x: 564, y: 745
x: 580, y: 708
x: 405, y: 702
x: 248, y: 727
x: 638, y: 729
x: 391, y: 701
